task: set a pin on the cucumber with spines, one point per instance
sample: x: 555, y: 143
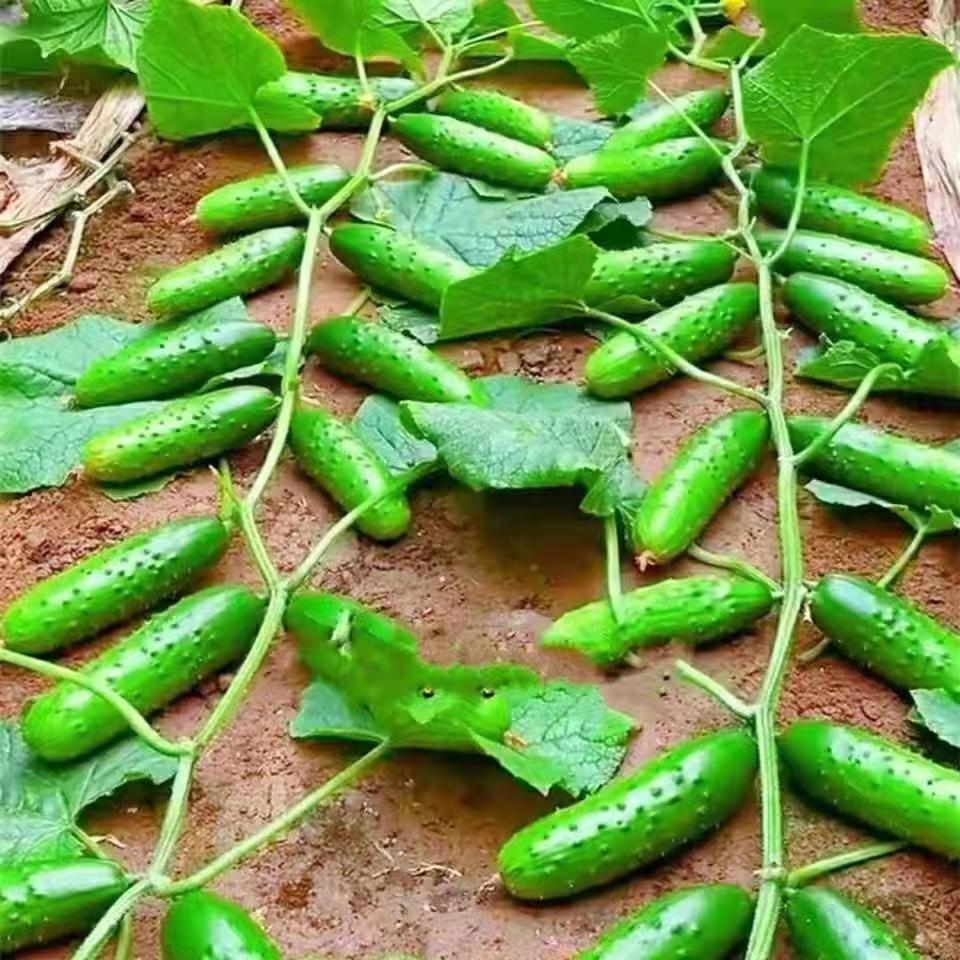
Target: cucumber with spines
x: 179, y: 434
x: 169, y: 655
x: 698, y: 327
x: 252, y: 263
x: 113, y: 585
x: 498, y: 113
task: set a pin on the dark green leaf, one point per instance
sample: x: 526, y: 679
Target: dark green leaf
x: 20, y: 57
x: 939, y: 712
x: 937, y: 521
x: 271, y: 368
x: 137, y: 488
x: 413, y: 321
x: 379, y: 422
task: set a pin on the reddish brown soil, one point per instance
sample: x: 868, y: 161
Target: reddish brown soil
x: 403, y: 862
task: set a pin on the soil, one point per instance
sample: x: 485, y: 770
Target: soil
x: 404, y: 862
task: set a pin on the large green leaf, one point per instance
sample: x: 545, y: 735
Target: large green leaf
x: 849, y: 109
x: 379, y: 422
x: 939, y: 712
x: 583, y: 19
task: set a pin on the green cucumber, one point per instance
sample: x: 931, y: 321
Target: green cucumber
x: 664, y: 121
x: 174, y: 358
x: 244, y: 266
x: 182, y: 432
x: 169, y: 655
x: 699, y: 327
x: 397, y: 263
x: 339, y: 461
x: 51, y: 899
x: 844, y: 213
x: 877, y: 783
x: 113, y: 585
x: 662, y: 171
x: 339, y: 101
x: 451, y: 144
x: 389, y: 361
x: 498, y: 113
x: 693, y: 610
x: 901, y: 277
x: 202, y: 925
x: 886, y: 634
x: 645, y: 279
x: 698, y: 923
x: 883, y: 464
x: 710, y: 465
x: 825, y: 924
x: 265, y: 201
x: 677, y: 798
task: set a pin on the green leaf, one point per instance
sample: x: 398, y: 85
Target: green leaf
x: 326, y: 714
x: 573, y: 138
x: 445, y: 211
x: 850, y: 110
x: 541, y: 773
x: 379, y: 422
x: 200, y: 68
x: 447, y: 17
x: 137, y: 488
x: 939, y: 712
x: 618, y: 65
x: 21, y: 57
x: 102, y: 29
x: 413, y: 321
x: 524, y: 291
x: 269, y: 369
x: 583, y: 19
x: 519, y: 39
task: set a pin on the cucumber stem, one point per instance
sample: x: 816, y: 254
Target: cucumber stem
x: 97, y: 939
x: 911, y: 550
x: 739, y: 708
x: 736, y: 564
x: 277, y: 160
x: 611, y: 540
x: 804, y: 875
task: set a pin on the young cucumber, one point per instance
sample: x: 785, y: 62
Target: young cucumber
x: 694, y: 610
x: 175, y: 358
x: 886, y: 634
x: 48, y: 900
x: 664, y: 122
x: 842, y: 212
x: 876, y: 782
x: 882, y: 464
x: 180, y: 433
x: 451, y: 144
x: 265, y: 201
x: 397, y: 263
x: 339, y: 101
x: 113, y: 585
x: 661, y: 171
x: 249, y: 264
x: 678, y: 797
x: 901, y: 277
x: 201, y: 924
x: 340, y: 462
x: 170, y: 654
x: 702, y: 923
x: 500, y: 114
x: 645, y: 279
x: 389, y: 361
x: 709, y: 466
x: 698, y: 327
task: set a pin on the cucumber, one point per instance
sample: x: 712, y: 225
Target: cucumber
x: 629, y: 281
x: 342, y: 464
x: 901, y: 277
x: 451, y: 144
x: 202, y: 925
x: 244, y: 266
x: 169, y: 655
x: 51, y: 899
x: 662, y: 171
x: 340, y: 101
x: 698, y: 327
x: 264, y: 201
x: 698, y: 923
x: 709, y: 466
x: 883, y: 464
x: 174, y: 358
x: 844, y: 213
x: 113, y: 585
x: 826, y: 924
x: 876, y: 782
x: 397, y: 263
x: 498, y: 113
x: 886, y: 634
x: 694, y: 610
x: 677, y: 798
x: 389, y: 361
x: 664, y: 122
x: 182, y: 432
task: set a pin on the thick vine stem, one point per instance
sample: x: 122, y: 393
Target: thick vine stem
x: 812, y: 871
x: 97, y: 938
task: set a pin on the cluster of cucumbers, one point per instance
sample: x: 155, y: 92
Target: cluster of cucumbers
x: 851, y: 268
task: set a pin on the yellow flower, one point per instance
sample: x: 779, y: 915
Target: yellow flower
x: 733, y: 8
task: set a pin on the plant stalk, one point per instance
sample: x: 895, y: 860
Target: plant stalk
x: 812, y: 871
x: 901, y: 563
